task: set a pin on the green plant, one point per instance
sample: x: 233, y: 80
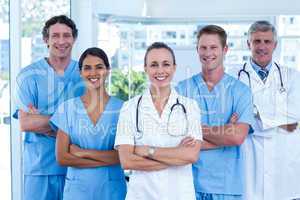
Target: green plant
x: 119, y: 84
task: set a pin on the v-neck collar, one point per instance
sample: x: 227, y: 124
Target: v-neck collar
x: 100, y: 116
x: 149, y: 104
x: 254, y: 76
x: 67, y: 71
x: 201, y: 84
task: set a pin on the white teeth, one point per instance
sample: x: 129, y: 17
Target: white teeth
x: 208, y: 59
x: 161, y: 78
x: 93, y: 79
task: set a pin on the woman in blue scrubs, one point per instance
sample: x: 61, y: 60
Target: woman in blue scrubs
x: 85, y: 139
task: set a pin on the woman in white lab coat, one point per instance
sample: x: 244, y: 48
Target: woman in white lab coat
x: 158, y: 135
x: 272, y: 167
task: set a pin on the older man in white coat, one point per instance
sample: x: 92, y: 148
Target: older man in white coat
x: 273, y: 151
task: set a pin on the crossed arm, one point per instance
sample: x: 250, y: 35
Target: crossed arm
x: 231, y: 134
x: 72, y: 155
x: 136, y: 157
x: 32, y: 121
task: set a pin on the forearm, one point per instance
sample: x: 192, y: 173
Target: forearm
x: 110, y: 157
x: 205, y: 145
x: 132, y: 161
x: 176, y: 155
x: 68, y: 159
x: 36, y: 123
x: 227, y: 135
x: 136, y: 162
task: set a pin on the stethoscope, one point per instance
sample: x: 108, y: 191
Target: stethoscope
x: 281, y: 89
x: 243, y: 70
x: 139, y: 134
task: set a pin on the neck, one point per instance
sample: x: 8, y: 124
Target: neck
x: 160, y: 94
x: 59, y: 64
x: 95, y: 96
x: 263, y: 66
x: 212, y: 77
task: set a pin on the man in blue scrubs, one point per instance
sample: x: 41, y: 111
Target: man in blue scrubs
x: 41, y: 86
x: 227, y: 115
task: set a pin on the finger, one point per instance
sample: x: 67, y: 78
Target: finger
x: 190, y: 143
x: 234, y: 118
x: 186, y: 140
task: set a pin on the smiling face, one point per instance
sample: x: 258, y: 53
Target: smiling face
x: 262, y: 46
x: 60, y: 41
x: 94, y: 72
x: 160, y: 67
x: 211, y: 52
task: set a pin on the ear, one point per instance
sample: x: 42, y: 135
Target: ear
x: 248, y: 44
x: 275, y: 44
x: 225, y: 49
x: 46, y: 41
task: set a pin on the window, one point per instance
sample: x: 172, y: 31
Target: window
x: 5, y: 172
x: 34, y: 15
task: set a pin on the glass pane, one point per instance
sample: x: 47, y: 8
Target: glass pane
x: 34, y: 15
x: 290, y: 54
x: 126, y: 44
x: 289, y: 25
x: 5, y: 181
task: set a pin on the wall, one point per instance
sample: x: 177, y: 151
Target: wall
x: 220, y: 8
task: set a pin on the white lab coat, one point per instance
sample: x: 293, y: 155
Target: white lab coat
x: 175, y: 182
x: 272, y: 164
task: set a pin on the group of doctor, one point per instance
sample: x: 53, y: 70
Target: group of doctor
x: 246, y: 127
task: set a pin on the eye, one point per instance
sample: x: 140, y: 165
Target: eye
x: 100, y: 66
x: 166, y: 64
x: 87, y: 67
x: 54, y: 36
x: 256, y: 41
x: 67, y: 35
x: 202, y: 48
x: 268, y: 41
x: 153, y: 65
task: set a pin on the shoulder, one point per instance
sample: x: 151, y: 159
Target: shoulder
x: 233, y: 70
x: 131, y: 104
x: 235, y: 83
x: 190, y: 103
x: 185, y: 87
x: 34, y: 69
x: 117, y: 103
x: 187, y: 81
x: 70, y: 103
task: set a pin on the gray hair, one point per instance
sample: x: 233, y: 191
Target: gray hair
x: 262, y: 26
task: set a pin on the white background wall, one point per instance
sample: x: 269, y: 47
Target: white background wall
x: 213, y: 8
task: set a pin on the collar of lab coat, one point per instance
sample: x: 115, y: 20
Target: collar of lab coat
x: 147, y: 105
x: 257, y: 83
x: 257, y: 67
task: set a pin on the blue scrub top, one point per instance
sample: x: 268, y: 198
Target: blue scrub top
x: 219, y: 170
x: 106, y: 182
x: 39, y: 85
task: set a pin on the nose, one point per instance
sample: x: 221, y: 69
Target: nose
x: 160, y: 69
x: 93, y: 71
x: 61, y: 40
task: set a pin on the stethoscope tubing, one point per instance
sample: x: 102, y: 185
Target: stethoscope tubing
x: 243, y: 70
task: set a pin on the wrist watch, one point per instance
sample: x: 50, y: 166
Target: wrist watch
x: 151, y: 151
